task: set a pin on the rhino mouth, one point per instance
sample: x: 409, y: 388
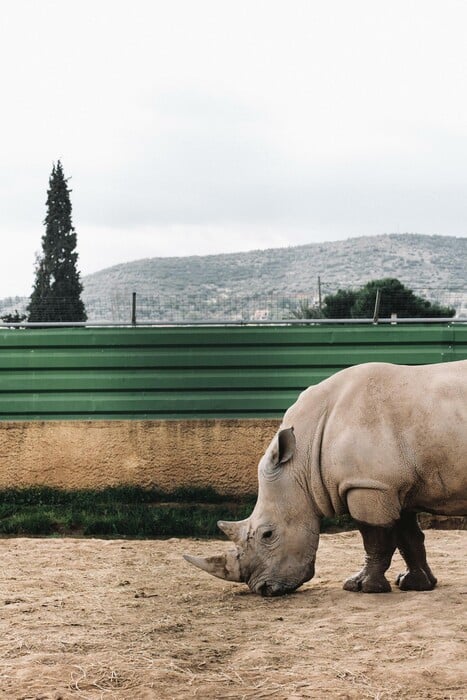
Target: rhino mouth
x: 269, y: 590
x: 275, y: 587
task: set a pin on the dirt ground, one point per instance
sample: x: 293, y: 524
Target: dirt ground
x: 132, y: 620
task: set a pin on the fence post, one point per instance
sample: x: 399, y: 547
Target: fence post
x: 133, y: 308
x: 377, y: 304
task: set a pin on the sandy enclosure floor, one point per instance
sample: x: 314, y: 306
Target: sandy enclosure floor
x: 130, y: 619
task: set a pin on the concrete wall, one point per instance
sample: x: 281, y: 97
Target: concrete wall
x: 165, y: 454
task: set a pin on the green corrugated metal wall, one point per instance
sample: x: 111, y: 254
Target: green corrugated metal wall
x: 195, y: 372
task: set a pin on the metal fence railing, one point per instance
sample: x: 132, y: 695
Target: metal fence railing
x: 143, y: 306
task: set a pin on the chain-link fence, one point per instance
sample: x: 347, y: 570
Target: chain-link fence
x: 325, y: 303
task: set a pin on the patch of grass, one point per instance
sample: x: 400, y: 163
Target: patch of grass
x: 6, y: 509
x: 165, y: 520
x: 86, y: 498
x: 29, y: 522
x: 125, y: 511
x: 118, y: 512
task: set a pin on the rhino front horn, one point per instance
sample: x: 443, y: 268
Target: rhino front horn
x: 223, y: 566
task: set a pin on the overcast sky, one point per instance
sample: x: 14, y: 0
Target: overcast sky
x: 198, y: 126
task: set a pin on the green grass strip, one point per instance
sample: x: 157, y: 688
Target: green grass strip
x: 124, y: 511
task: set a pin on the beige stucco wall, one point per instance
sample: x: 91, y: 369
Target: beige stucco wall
x: 164, y: 454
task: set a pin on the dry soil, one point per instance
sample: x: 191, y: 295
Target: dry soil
x: 130, y: 619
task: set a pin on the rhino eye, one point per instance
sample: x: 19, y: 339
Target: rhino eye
x: 267, y: 535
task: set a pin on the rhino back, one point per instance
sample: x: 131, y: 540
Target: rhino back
x: 391, y: 429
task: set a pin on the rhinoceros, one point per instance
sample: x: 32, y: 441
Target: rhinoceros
x: 377, y: 441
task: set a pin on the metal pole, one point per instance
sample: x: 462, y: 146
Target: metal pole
x: 133, y: 309
x: 377, y: 303
x: 319, y: 293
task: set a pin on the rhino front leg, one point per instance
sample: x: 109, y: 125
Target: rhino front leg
x: 379, y: 543
x: 410, y: 542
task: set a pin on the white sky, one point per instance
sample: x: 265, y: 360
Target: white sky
x: 205, y: 126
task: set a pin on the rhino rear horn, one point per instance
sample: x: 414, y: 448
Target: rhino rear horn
x: 236, y: 530
x: 223, y: 566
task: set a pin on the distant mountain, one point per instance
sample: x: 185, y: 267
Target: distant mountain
x: 249, y: 285
x: 269, y: 282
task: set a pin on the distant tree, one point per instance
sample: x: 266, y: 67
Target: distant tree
x: 56, y: 295
x: 396, y: 298
x: 41, y: 305
x: 340, y: 304
x: 306, y: 310
x: 13, y: 318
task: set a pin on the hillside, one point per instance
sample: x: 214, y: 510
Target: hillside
x: 424, y: 261
x: 269, y: 282
x: 266, y: 283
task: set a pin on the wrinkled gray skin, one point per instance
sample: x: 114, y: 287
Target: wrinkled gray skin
x: 377, y: 441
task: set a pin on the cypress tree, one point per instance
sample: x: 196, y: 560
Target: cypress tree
x: 56, y: 294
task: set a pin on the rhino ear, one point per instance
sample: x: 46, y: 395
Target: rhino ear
x: 281, y: 451
x: 286, y: 445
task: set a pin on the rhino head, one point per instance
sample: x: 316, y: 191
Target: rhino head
x: 275, y: 547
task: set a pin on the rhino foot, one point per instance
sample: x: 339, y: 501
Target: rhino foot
x: 354, y: 584
x: 410, y: 541
x: 367, y: 584
x: 418, y: 580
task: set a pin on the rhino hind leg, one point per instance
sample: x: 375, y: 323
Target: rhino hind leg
x: 410, y: 542
x: 380, y: 544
